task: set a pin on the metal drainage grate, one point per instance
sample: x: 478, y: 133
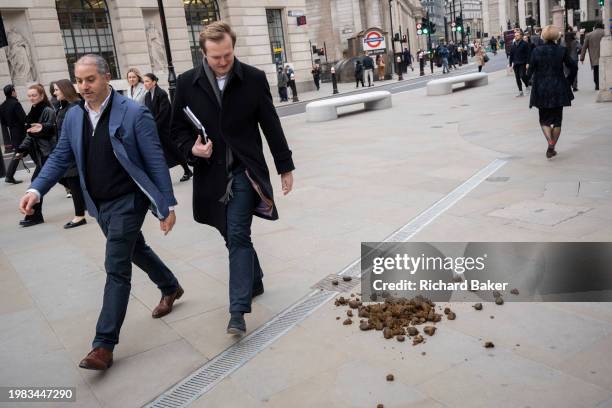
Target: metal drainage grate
x: 234, y: 357
x: 341, y: 286
x: 210, y: 374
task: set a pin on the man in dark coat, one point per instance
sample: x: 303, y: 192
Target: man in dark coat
x: 12, y: 118
x: 519, y: 58
x: 231, y: 181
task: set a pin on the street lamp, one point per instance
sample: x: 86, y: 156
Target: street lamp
x: 171, y: 73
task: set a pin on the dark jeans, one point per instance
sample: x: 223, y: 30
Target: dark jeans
x: 73, y: 184
x: 359, y: 78
x: 316, y: 81
x: 121, y: 220
x: 596, y: 76
x: 245, y: 271
x: 520, y: 75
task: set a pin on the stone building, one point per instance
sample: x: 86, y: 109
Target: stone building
x: 498, y: 14
x: 333, y: 22
x: 46, y: 37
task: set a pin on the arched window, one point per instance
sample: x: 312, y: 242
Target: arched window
x: 86, y: 29
x: 199, y: 14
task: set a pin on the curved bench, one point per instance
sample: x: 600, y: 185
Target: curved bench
x: 444, y: 86
x: 320, y: 111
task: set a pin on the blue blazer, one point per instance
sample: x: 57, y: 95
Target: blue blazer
x: 135, y: 143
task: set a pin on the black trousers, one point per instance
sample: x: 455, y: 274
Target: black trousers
x: 316, y: 81
x: 38, y: 206
x: 596, y: 76
x: 73, y: 184
x: 12, y: 169
x: 121, y: 220
x: 520, y: 74
x: 173, y: 153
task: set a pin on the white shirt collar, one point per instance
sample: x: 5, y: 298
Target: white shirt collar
x: 102, y: 107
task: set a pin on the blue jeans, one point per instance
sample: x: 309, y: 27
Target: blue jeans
x: 121, y: 220
x: 445, y: 65
x: 245, y: 271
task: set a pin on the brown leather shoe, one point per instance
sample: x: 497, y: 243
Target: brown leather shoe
x: 98, y: 359
x: 166, y: 302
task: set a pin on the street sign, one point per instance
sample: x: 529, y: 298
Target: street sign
x: 296, y: 13
x: 374, y: 40
x: 278, y: 50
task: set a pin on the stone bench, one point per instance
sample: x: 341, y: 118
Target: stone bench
x: 320, y: 111
x: 444, y: 86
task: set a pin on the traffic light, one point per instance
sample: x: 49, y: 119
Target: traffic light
x: 601, y: 3
x: 425, y: 25
x: 459, y: 22
x: 432, y: 27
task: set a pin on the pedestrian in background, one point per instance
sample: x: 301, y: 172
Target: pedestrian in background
x: 55, y: 104
x: 283, y: 80
x: 573, y: 48
x: 12, y: 119
x: 380, y: 66
x: 592, y: 44
x: 481, y: 56
x: 136, y: 90
x: 39, y: 142
x: 158, y: 102
x: 368, y: 69
x: 551, y: 88
x: 316, y: 75
x: 493, y: 44
x: 519, y: 58
x: 359, y: 74
x: 407, y: 60
x: 68, y: 99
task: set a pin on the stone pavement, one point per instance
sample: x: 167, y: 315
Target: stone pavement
x: 358, y: 178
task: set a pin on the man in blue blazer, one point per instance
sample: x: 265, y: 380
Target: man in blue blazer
x: 123, y: 173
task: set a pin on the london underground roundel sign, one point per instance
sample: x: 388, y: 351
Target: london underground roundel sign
x: 374, y: 40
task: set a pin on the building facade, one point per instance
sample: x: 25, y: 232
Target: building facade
x: 46, y: 37
x: 331, y: 23
x: 498, y: 15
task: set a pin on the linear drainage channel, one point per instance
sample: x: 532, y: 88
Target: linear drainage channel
x: 210, y: 374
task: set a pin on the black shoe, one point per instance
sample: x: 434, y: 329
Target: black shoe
x: 12, y: 181
x: 186, y: 176
x: 30, y: 223
x: 550, y: 152
x: 71, y: 224
x: 236, y: 325
x: 259, y: 290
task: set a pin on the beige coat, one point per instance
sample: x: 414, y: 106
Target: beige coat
x: 480, y: 54
x: 592, y: 43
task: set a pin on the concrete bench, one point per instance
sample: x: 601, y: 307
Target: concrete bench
x: 320, y: 111
x: 444, y: 86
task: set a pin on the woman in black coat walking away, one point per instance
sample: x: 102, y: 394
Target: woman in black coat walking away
x: 68, y: 98
x: 551, y: 88
x: 40, y: 141
x: 156, y: 99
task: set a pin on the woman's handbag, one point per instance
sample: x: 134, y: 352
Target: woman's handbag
x: 486, y: 58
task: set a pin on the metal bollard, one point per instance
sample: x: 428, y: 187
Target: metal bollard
x: 398, y: 59
x: 334, y: 81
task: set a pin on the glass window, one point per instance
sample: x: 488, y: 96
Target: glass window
x: 277, y: 37
x: 86, y: 29
x: 199, y: 14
